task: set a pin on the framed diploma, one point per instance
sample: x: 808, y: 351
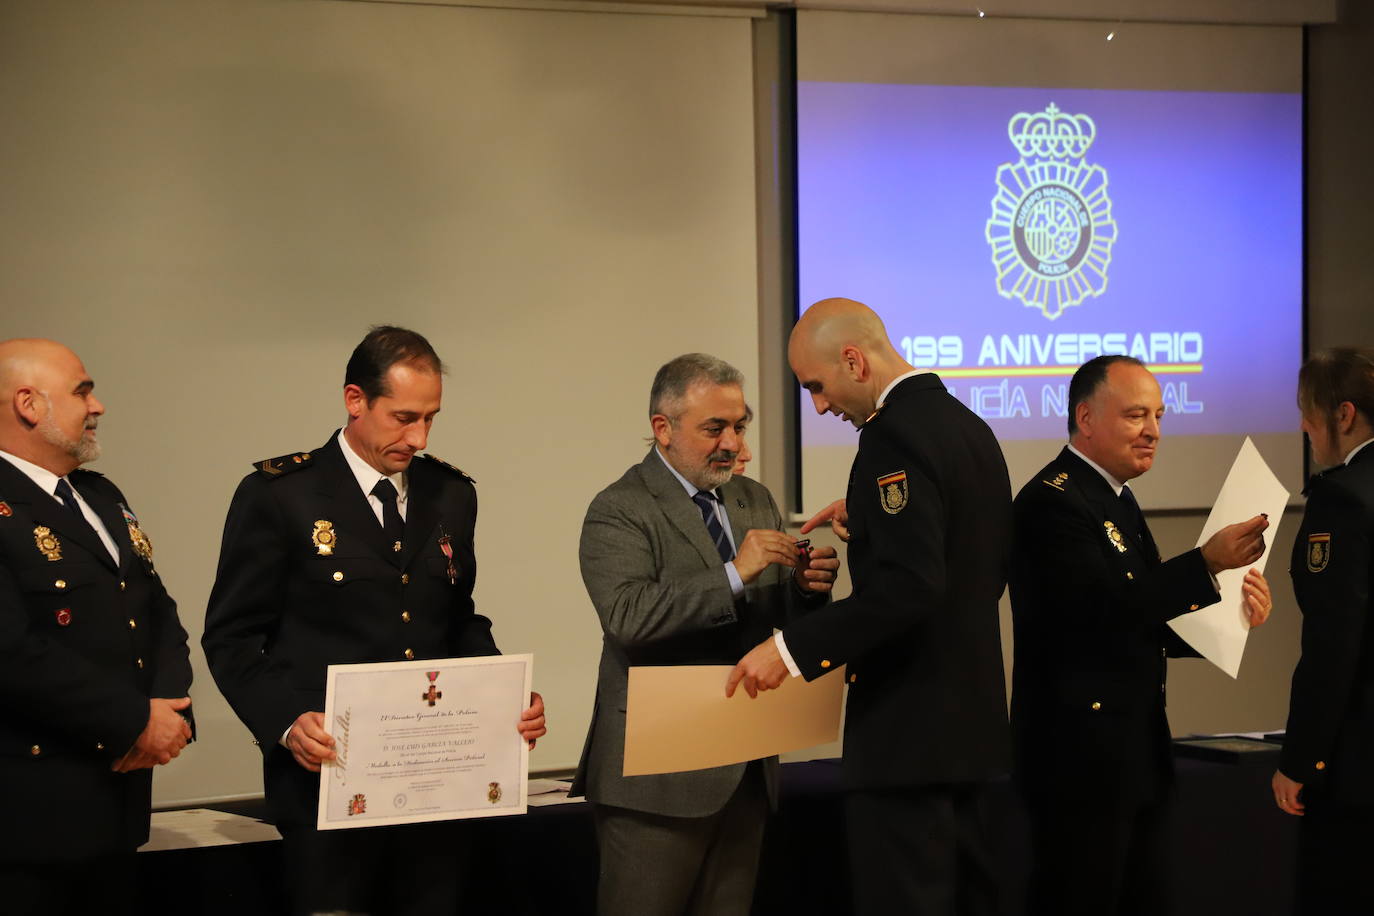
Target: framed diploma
x: 425, y: 741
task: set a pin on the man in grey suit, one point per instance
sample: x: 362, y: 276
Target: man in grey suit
x: 686, y: 566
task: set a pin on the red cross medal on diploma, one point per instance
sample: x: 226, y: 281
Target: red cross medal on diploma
x: 446, y: 545
x: 433, y: 693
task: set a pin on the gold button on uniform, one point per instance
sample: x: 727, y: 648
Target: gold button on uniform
x: 338, y: 576
x: 825, y: 663
x: 405, y: 616
x: 123, y: 585
x: 35, y: 750
x: 1130, y: 575
x: 410, y: 653
x: 405, y: 578
x: 60, y: 584
x: 138, y: 662
x: 1321, y: 764
x: 1096, y: 706
x: 99, y: 746
x: 133, y: 624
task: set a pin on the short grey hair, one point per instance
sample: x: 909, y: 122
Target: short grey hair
x: 676, y: 376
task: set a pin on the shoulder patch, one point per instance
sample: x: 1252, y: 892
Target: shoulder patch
x: 1318, y: 552
x: 1057, y: 481
x: 276, y: 467
x: 444, y: 464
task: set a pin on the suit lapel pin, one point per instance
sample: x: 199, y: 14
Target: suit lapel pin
x: 47, y: 543
x: 64, y: 617
x: 324, y: 538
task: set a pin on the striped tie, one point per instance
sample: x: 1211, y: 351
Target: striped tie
x: 706, y: 502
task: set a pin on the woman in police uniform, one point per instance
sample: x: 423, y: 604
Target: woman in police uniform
x: 1326, y: 773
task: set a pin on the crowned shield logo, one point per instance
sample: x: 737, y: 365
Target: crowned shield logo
x: 1114, y: 537
x: 1051, y: 229
x: 892, y: 492
x: 1318, y: 552
x: 357, y: 804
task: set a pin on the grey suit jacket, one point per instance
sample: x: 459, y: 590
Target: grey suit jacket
x: 663, y: 597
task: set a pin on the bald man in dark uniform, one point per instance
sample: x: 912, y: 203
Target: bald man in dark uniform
x: 94, y: 669
x: 928, y: 520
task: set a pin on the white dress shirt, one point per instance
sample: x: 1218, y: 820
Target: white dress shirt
x: 1355, y: 451
x: 368, y: 476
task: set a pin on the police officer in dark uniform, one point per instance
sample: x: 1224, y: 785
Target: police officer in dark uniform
x: 928, y: 520
x: 358, y: 551
x: 1326, y: 772
x: 94, y: 669
x: 1090, y: 598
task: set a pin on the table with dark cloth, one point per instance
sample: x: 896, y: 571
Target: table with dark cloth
x: 1235, y: 854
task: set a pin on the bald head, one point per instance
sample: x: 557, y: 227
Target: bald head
x: 50, y: 411
x: 828, y: 325
x: 841, y: 354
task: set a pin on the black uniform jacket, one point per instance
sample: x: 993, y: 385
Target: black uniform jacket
x: 1330, y: 742
x: 930, y: 528
x: 290, y: 599
x: 1090, y: 599
x: 84, y: 643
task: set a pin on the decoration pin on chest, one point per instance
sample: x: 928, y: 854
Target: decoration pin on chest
x: 446, y: 545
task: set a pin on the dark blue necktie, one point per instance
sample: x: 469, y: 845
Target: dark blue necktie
x: 392, y: 524
x: 706, y: 502
x: 1137, y: 522
x: 65, y: 493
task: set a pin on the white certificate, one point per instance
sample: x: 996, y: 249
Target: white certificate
x: 425, y: 741
x: 1219, y: 632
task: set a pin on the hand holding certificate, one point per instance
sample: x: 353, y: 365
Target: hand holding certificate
x: 678, y: 718
x: 425, y: 741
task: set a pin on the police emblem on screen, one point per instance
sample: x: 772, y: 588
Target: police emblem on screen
x: 1051, y: 229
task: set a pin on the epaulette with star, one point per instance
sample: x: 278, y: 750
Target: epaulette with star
x: 275, y: 467
x: 444, y: 464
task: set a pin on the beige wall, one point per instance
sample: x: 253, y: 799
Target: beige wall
x: 211, y: 200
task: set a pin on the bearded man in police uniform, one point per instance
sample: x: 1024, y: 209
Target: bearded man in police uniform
x: 357, y: 551
x: 1090, y: 598
x: 94, y: 669
x: 1326, y: 772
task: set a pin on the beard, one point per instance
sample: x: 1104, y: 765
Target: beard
x: 82, y: 451
x: 711, y: 477
x: 704, y: 477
